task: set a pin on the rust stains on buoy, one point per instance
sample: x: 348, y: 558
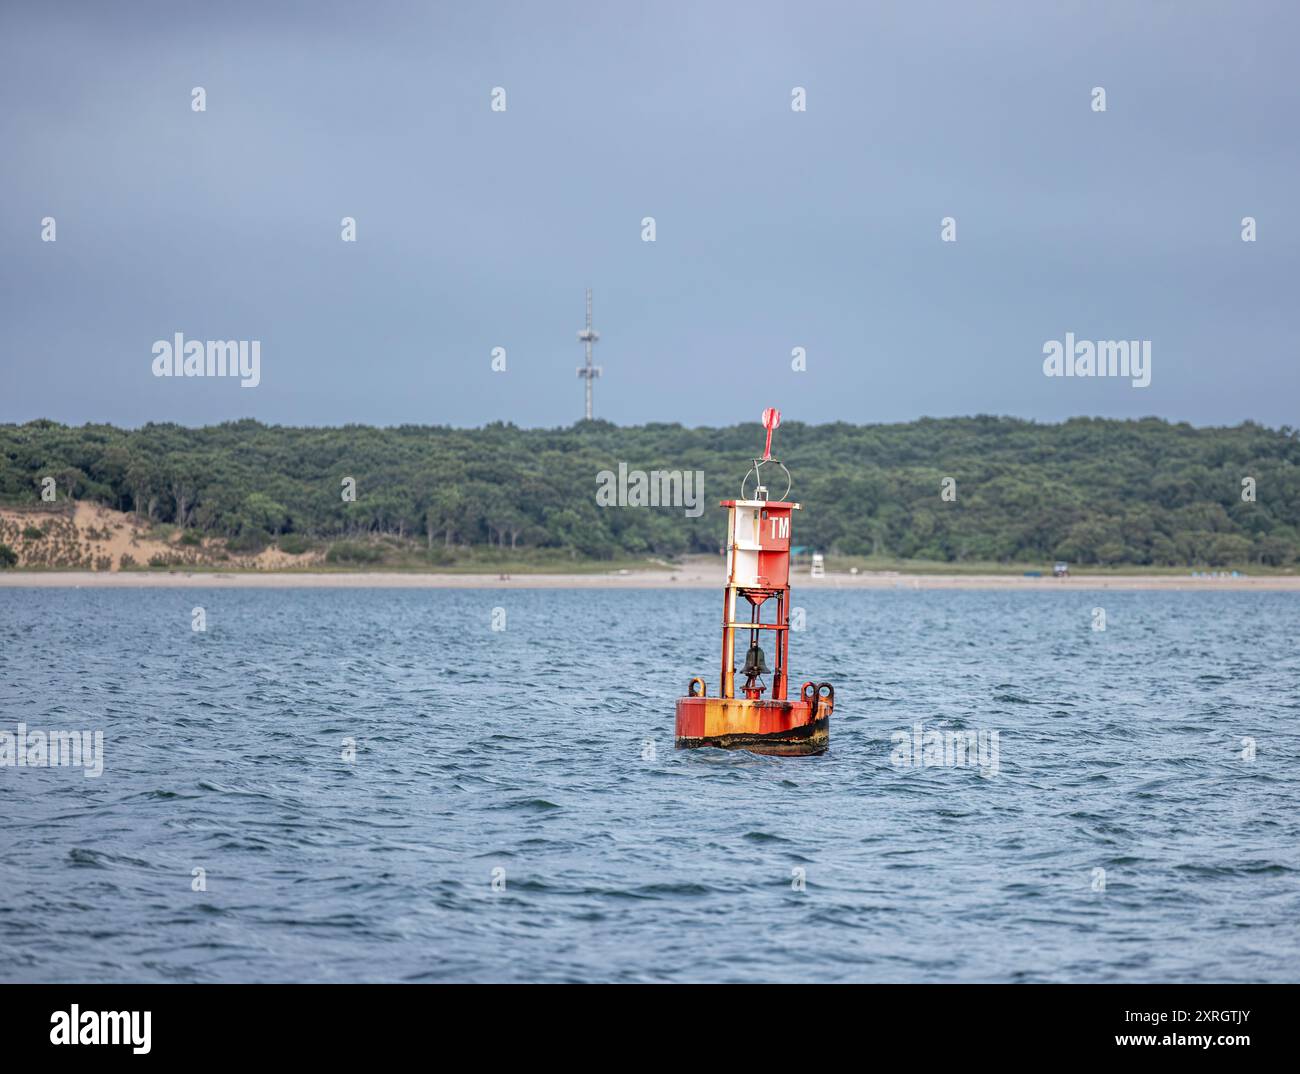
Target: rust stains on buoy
x: 758, y: 581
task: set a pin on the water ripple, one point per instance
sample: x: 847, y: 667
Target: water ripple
x: 335, y: 785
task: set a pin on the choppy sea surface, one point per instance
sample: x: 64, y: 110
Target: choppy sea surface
x: 515, y: 810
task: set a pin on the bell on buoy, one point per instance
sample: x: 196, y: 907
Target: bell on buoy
x: 755, y: 665
x: 758, y: 571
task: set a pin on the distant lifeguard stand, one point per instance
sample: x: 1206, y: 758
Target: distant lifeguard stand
x: 818, y: 566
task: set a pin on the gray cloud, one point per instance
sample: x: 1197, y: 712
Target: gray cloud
x: 775, y: 230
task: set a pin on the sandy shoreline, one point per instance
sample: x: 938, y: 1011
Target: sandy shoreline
x: 91, y: 535
x: 690, y: 577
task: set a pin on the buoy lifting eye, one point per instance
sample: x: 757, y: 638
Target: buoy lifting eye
x: 691, y: 690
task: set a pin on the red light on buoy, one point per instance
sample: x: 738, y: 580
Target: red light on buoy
x: 771, y: 420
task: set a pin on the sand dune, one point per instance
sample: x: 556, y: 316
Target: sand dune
x: 92, y: 538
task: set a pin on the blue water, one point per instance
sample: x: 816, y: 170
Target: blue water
x: 527, y: 750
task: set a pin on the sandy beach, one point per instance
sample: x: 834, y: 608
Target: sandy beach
x: 93, y: 535
x: 690, y: 576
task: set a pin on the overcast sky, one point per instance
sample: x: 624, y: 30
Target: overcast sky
x: 775, y: 229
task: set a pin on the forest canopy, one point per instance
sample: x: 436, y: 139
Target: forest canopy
x: 1089, y: 491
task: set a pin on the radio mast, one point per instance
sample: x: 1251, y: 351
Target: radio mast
x: 589, y: 336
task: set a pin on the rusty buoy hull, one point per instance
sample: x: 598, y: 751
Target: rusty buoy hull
x: 783, y: 728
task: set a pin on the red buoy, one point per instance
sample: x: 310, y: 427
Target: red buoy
x: 758, y: 582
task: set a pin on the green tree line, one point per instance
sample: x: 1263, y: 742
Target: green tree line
x: 1091, y: 491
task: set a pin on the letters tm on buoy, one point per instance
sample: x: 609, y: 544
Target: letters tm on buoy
x: 758, y: 580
